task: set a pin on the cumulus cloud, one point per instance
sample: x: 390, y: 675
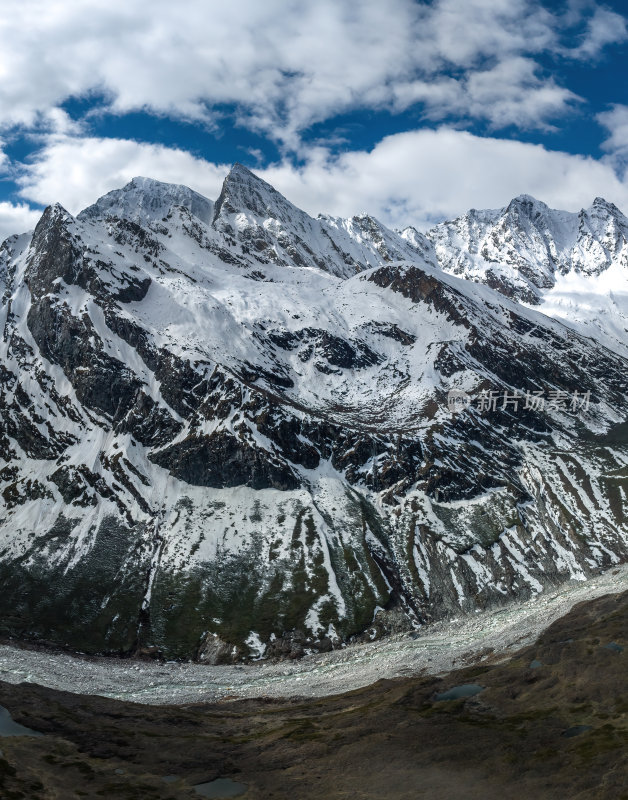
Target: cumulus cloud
x: 284, y: 65
x: 616, y: 145
x: 508, y: 93
x: 512, y: 93
x: 75, y: 171
x: 603, y: 28
x: 16, y: 219
x: 424, y: 176
x: 417, y: 178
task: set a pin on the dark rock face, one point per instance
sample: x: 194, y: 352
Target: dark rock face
x: 58, y: 255
x: 327, y: 350
x: 222, y: 461
x: 392, y: 331
x: 422, y: 287
x: 206, y: 458
x: 102, y: 383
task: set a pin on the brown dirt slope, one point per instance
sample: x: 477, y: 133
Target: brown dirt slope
x: 390, y: 740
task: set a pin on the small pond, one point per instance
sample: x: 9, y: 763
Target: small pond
x: 576, y: 730
x: 221, y: 787
x: 10, y: 728
x: 465, y: 690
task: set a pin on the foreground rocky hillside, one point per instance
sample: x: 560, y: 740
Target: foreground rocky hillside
x: 225, y: 431
x: 548, y: 722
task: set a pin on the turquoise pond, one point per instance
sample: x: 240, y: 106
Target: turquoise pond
x: 10, y: 728
x: 458, y: 692
x: 576, y: 730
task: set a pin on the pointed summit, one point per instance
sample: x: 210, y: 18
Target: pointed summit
x: 243, y: 192
x: 600, y: 201
x: 420, y: 243
x: 55, y: 217
x: 527, y: 205
x: 602, y: 206
x: 600, y: 215
x: 526, y: 199
x: 55, y: 244
x: 239, y: 169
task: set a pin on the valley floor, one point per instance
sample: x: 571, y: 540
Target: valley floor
x: 548, y: 721
x: 438, y: 648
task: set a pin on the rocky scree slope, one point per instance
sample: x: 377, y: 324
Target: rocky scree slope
x: 224, y: 431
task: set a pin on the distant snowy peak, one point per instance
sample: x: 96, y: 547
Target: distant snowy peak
x: 420, y: 243
x: 145, y: 200
x: 602, y: 238
x: 521, y: 249
x: 372, y: 243
x: 572, y: 266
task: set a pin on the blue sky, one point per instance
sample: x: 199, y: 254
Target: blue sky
x: 413, y: 111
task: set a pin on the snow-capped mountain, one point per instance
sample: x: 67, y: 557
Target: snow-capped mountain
x: 225, y: 429
x: 573, y: 266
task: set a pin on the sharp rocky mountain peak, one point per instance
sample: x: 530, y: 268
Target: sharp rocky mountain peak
x: 225, y: 428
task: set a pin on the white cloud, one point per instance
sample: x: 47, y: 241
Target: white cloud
x: 410, y: 178
x: 508, y: 93
x: 75, y: 171
x: 512, y: 93
x: 616, y: 145
x: 465, y: 31
x: 16, y: 219
x: 287, y: 64
x: 427, y: 175
x: 604, y: 27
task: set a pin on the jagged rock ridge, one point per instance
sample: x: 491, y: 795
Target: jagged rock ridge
x: 573, y: 266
